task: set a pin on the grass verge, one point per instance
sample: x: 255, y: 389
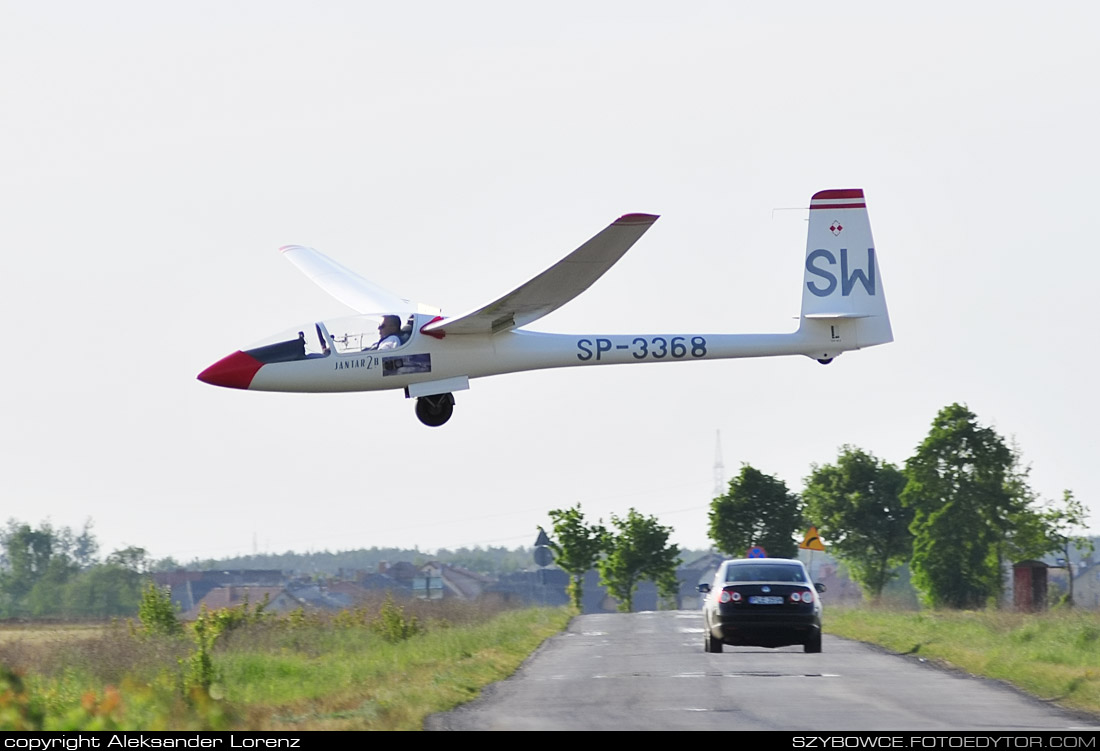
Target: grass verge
x: 360, y: 682
x: 351, y: 671
x: 1054, y: 656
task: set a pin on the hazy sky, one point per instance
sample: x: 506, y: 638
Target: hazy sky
x: 153, y: 157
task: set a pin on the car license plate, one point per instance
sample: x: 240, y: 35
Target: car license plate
x: 762, y: 600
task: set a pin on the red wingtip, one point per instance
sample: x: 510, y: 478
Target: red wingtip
x: 233, y: 372
x: 637, y: 219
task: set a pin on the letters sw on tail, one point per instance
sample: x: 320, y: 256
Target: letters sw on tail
x: 394, y: 343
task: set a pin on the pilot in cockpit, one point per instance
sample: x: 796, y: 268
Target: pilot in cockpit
x: 389, y: 333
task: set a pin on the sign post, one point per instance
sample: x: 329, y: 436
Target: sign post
x: 812, y: 541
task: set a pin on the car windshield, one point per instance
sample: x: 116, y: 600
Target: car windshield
x: 764, y: 572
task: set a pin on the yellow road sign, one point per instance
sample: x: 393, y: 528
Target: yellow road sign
x: 812, y: 541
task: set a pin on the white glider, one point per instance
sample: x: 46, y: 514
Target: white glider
x: 430, y: 357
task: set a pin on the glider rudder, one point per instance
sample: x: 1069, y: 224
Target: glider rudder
x: 842, y: 296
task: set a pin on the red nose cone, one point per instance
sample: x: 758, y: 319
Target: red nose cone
x: 234, y: 372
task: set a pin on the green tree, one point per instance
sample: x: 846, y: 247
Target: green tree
x: 37, y: 563
x: 577, y: 546
x: 101, y: 591
x: 110, y: 588
x: 132, y: 559
x: 81, y: 548
x: 1043, y: 527
x: 856, y: 506
x: 756, y: 510
x: 1067, y: 523
x: 968, y: 499
x: 639, y: 550
x: 1031, y: 528
x: 48, y: 571
x: 46, y: 597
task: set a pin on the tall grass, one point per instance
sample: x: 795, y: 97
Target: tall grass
x: 1054, y: 655
x: 367, y: 668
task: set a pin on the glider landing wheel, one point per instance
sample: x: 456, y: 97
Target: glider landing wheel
x: 825, y: 361
x: 435, y: 410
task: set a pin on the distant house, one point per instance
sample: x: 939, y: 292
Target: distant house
x: 1086, y: 581
x: 428, y: 582
x: 220, y: 598
x: 383, y: 583
x: 398, y: 577
x: 188, y: 588
x: 353, y: 591
x: 313, y: 596
x: 457, y: 582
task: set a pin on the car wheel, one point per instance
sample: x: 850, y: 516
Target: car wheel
x: 814, y: 644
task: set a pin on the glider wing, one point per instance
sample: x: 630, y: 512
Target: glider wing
x: 347, y: 286
x: 554, y: 287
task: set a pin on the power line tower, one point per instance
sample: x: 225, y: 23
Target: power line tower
x: 719, y: 468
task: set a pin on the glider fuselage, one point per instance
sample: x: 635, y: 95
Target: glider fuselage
x: 425, y: 359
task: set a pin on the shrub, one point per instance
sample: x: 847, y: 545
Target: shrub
x: 18, y: 710
x: 210, y: 625
x: 156, y: 611
x: 393, y: 625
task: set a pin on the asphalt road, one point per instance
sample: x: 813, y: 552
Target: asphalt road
x: 648, y: 671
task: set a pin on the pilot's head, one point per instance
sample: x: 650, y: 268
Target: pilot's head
x: 390, y: 325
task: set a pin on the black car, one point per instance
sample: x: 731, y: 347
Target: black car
x: 762, y: 602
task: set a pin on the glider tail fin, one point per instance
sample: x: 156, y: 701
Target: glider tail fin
x: 842, y: 297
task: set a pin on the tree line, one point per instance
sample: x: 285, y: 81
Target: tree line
x: 490, y: 560
x: 957, y: 512
x: 49, y: 571
x: 55, y: 572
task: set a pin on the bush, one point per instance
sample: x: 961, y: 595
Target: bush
x: 393, y: 625
x: 210, y: 625
x: 18, y: 710
x: 157, y: 613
